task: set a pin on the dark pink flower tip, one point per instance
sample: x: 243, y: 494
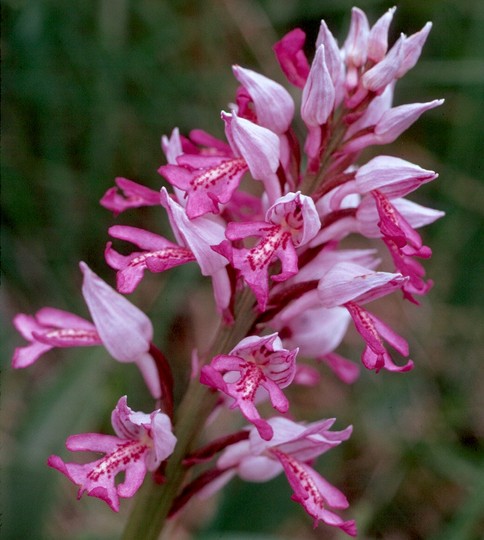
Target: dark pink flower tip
x: 291, y: 57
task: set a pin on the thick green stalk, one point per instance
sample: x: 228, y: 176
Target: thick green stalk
x: 153, y: 502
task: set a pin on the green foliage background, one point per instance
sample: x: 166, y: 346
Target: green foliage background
x: 88, y: 89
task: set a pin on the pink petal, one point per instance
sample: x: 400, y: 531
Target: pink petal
x: 356, y: 44
x: 318, y: 95
x: 378, y: 38
x: 393, y: 176
x: 25, y: 356
x: 273, y: 103
x: 134, y: 196
x: 125, y: 330
x: 347, y: 282
x: 259, y: 147
x: 172, y: 146
x: 314, y: 493
x: 208, y: 186
x: 346, y: 370
x: 412, y: 49
x: 62, y: 319
x: 385, y: 71
x: 333, y: 59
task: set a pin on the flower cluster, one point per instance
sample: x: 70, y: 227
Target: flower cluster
x: 263, y: 215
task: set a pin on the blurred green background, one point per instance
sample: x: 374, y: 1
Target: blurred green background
x: 88, y: 89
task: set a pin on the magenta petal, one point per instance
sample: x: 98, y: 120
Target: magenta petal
x: 396, y: 341
x: 290, y: 55
x: 134, y: 196
x: 161, y: 255
x: 372, y: 329
x: 25, y: 356
x: 143, y: 442
x: 139, y: 237
x: 212, y: 377
x: 214, y: 145
x: 26, y: 325
x: 314, y: 493
x: 92, y: 442
x: 206, y: 184
x: 255, y: 362
x: 98, y: 478
x: 50, y: 328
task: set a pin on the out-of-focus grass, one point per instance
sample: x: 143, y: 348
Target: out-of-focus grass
x: 88, y: 89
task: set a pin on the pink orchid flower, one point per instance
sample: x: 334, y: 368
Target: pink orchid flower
x: 207, y: 181
x: 123, y: 329
x: 290, y: 450
x: 159, y: 255
x: 142, y: 443
x: 348, y: 285
x: 291, y: 222
x: 253, y: 364
x: 50, y: 328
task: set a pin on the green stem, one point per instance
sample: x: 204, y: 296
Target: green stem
x: 154, y: 501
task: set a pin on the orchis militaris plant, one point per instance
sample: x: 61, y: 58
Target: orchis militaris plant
x: 263, y: 215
